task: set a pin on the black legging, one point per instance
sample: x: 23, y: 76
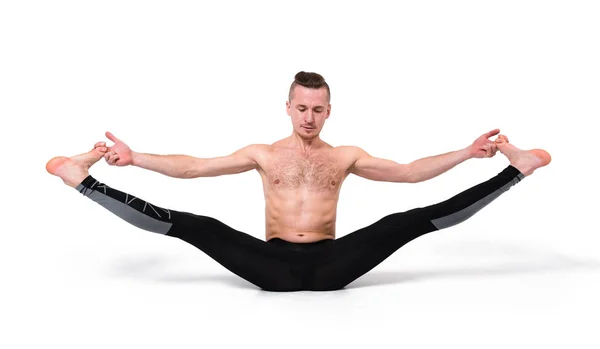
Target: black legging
x: 278, y: 265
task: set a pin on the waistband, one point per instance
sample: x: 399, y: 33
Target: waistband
x: 300, y: 245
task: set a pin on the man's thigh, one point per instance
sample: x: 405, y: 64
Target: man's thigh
x: 265, y: 265
x: 356, y: 253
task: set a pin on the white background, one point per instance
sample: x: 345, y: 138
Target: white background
x: 408, y: 80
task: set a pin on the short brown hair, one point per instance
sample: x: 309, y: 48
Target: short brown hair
x: 310, y: 80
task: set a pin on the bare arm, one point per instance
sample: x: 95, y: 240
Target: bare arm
x: 423, y: 169
x: 185, y: 166
x: 385, y: 170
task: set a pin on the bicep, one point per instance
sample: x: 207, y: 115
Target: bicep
x: 241, y: 160
x: 378, y: 169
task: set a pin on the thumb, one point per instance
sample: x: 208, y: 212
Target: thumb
x: 492, y: 133
x: 112, y: 137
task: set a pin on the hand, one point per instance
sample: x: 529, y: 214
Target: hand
x: 483, y: 147
x: 119, y: 154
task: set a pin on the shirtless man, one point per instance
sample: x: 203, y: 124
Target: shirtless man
x: 302, y: 176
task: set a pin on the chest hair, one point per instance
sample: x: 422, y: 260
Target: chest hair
x: 318, y: 172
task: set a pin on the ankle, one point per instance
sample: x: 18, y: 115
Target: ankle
x: 75, y: 180
x: 521, y: 167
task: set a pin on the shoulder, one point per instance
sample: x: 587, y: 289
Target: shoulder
x: 256, y: 152
x: 351, y: 151
x: 350, y: 155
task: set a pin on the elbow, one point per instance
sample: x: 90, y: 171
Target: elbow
x: 411, y: 179
x: 408, y: 175
x: 193, y: 168
x: 186, y: 175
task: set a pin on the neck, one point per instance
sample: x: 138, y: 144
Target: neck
x: 304, y: 144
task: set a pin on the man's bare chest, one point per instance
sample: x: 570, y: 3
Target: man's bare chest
x: 323, y: 172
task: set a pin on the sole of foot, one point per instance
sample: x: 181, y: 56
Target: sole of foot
x: 73, y: 170
x: 526, y: 161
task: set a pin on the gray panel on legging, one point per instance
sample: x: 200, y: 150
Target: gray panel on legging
x: 126, y: 212
x: 465, y: 213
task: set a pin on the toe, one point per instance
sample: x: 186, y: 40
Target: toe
x: 501, y: 139
x: 99, y: 151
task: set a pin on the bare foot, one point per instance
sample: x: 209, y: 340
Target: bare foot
x: 74, y: 170
x: 525, y: 161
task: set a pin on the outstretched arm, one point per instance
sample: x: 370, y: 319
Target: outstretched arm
x: 185, y: 166
x: 182, y: 166
x: 378, y: 169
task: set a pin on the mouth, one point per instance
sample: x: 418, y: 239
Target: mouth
x: 308, y: 128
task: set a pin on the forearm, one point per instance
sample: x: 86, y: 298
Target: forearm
x: 433, y: 166
x: 177, y: 166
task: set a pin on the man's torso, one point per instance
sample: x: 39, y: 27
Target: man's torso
x: 302, y: 190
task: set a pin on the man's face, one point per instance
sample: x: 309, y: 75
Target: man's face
x: 308, y: 109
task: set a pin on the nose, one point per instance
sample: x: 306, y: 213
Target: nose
x: 309, y: 117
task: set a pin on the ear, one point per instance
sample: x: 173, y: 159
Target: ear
x: 328, y: 111
x: 288, y: 106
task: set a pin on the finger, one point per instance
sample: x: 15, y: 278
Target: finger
x: 492, y: 133
x: 99, y: 144
x: 112, y: 137
x: 108, y: 158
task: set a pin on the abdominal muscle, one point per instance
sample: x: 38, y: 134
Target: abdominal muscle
x: 300, y: 217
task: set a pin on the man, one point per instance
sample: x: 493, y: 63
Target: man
x: 302, y: 176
